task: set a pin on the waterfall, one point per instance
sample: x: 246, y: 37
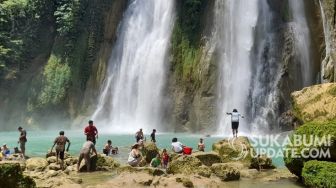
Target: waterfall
x: 131, y: 97
x: 235, y: 21
x: 302, y: 42
x: 266, y: 73
x: 250, y: 42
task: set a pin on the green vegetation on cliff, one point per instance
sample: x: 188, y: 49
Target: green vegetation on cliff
x: 186, y: 40
x: 21, y: 33
x: 297, y: 154
x: 319, y: 174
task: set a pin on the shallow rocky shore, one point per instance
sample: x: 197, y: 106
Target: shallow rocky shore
x: 210, y: 169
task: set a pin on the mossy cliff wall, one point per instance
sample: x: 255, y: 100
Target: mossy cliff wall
x: 328, y: 16
x: 67, y: 66
x: 193, y: 73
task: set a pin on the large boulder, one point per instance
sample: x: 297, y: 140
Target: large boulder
x: 226, y: 171
x: 261, y: 162
x: 297, y: 154
x: 100, y: 162
x: 184, y: 164
x: 234, y: 149
x: 315, y: 103
x: 149, y: 151
x: 208, y: 158
x: 36, y: 164
x: 319, y: 174
x: 11, y: 176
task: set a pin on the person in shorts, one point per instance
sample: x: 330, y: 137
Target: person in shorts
x: 85, y: 153
x: 22, y: 141
x: 235, y: 121
x: 60, y: 143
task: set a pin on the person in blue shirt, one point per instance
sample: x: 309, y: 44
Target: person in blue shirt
x: 235, y: 121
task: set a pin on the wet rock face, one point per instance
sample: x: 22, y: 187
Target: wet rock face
x: 329, y: 63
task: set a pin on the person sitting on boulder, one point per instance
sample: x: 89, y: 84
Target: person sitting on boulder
x: 201, y: 145
x: 60, y: 143
x: 165, y: 158
x: 177, y: 147
x: 5, y: 150
x: 85, y: 153
x: 1, y: 156
x: 108, y: 149
x: 156, y: 161
x: 235, y: 121
x: 134, y: 157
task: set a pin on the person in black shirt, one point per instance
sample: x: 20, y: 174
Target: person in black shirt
x: 153, y: 135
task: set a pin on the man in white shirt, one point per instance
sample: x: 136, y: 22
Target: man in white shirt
x: 177, y: 147
x: 235, y: 121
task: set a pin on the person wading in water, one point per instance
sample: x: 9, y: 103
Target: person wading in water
x: 91, y: 132
x: 235, y: 121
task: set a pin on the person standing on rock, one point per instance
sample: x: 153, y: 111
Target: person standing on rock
x: 139, y: 135
x: 91, y: 132
x: 22, y: 141
x: 60, y: 143
x: 153, y: 136
x: 85, y: 153
x: 235, y: 121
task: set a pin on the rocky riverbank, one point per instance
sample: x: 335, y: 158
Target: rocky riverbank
x: 217, y: 168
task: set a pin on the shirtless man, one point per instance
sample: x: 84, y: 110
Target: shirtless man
x: 60, y: 142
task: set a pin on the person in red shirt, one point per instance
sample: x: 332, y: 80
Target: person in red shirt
x: 91, y: 132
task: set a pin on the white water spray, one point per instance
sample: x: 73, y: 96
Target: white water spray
x: 302, y: 40
x: 234, y: 21
x: 132, y: 94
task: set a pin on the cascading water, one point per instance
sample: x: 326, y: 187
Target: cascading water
x: 132, y: 94
x: 248, y: 49
x: 266, y: 73
x: 234, y: 27
x: 302, y: 40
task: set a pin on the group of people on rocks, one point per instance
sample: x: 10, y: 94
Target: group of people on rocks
x: 162, y: 159
x: 5, y: 150
x: 134, y: 158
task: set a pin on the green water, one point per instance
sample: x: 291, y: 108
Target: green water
x: 39, y: 142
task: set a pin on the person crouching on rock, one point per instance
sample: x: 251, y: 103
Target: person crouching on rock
x: 85, y: 153
x: 177, y: 147
x: 134, y: 157
x: 60, y: 143
x: 156, y: 161
x: 235, y: 121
